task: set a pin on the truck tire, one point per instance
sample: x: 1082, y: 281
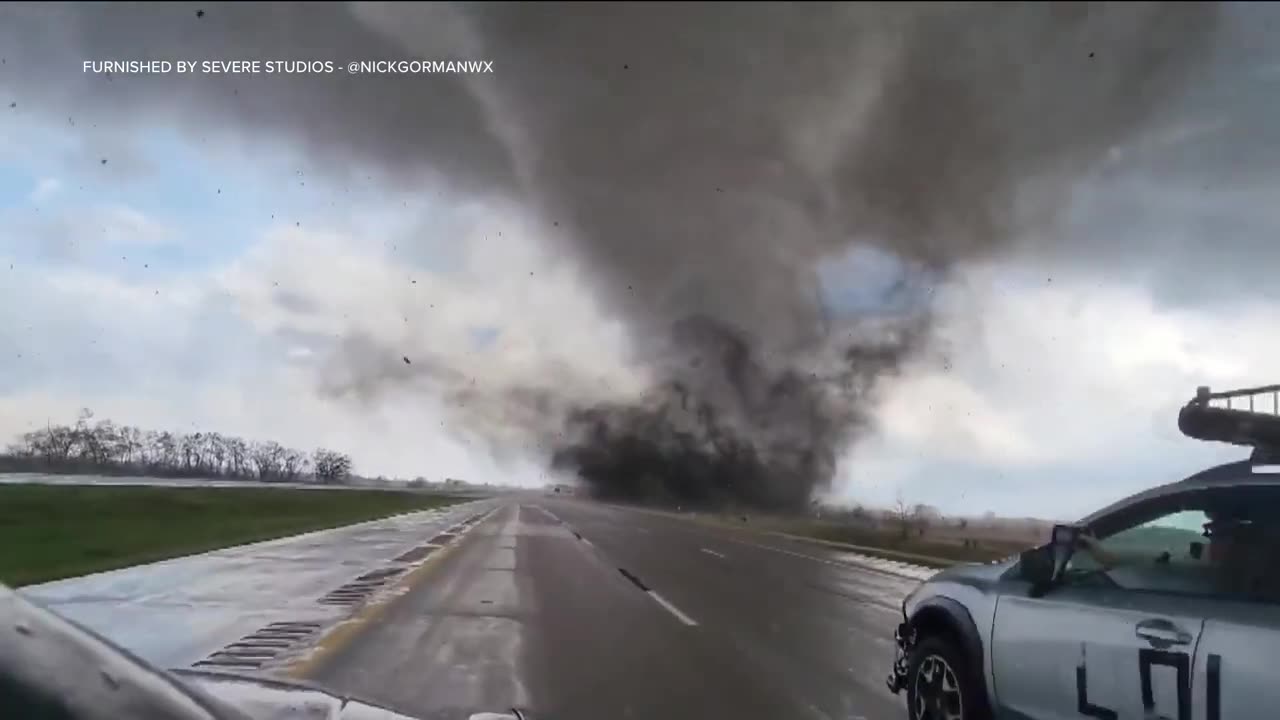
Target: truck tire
x: 941, y: 685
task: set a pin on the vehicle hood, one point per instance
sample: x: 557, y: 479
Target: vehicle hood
x: 975, y: 573
x: 48, y: 661
x: 262, y: 698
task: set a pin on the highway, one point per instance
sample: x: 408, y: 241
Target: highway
x: 581, y: 611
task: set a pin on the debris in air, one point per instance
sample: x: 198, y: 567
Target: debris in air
x: 753, y: 425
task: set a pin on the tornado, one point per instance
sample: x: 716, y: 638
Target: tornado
x: 700, y: 162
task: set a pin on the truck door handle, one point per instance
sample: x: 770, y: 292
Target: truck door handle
x: 1162, y: 633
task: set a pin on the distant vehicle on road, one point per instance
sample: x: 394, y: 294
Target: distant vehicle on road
x: 1164, y: 605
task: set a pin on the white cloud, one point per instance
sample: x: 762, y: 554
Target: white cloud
x: 78, y: 233
x: 45, y: 189
x: 546, y: 328
x: 1059, y: 397
x: 156, y: 362
x: 953, y: 420
x: 123, y: 224
x: 249, y: 348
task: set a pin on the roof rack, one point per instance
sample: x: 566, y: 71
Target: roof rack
x: 1249, y: 417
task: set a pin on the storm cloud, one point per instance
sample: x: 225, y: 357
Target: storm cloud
x: 697, y: 161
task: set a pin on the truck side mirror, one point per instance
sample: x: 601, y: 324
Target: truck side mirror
x: 1066, y: 538
x: 1044, y: 565
x: 1037, y: 566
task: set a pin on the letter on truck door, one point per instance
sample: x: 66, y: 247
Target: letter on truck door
x: 1237, y: 664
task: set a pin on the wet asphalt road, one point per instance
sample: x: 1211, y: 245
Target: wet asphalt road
x: 523, y: 613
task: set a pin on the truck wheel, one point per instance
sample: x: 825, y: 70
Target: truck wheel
x: 940, y: 686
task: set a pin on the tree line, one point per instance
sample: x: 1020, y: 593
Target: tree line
x: 107, y: 448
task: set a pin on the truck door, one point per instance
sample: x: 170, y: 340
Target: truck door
x: 1237, y: 663
x: 1094, y: 652
x: 1114, y: 641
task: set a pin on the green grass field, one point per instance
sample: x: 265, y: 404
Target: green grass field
x: 50, y: 531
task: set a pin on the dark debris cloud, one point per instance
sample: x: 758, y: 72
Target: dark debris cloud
x: 698, y: 160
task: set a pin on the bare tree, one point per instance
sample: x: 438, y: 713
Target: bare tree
x: 902, y: 515
x: 238, y: 455
x: 215, y: 453
x: 53, y: 445
x: 331, y: 467
x: 292, y: 463
x: 82, y: 434
x: 130, y: 445
x: 267, y: 459
x: 166, y: 452
x: 103, y: 446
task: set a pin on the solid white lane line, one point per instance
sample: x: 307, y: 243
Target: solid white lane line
x: 672, y: 609
x: 712, y: 552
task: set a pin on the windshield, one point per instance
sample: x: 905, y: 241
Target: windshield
x: 467, y: 357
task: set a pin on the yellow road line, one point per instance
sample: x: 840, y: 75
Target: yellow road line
x: 344, y: 632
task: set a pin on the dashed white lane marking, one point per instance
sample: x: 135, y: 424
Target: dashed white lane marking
x: 712, y: 552
x: 672, y: 609
x: 550, y: 514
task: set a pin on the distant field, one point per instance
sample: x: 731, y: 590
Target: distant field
x: 882, y: 542
x: 982, y: 549
x: 55, y: 531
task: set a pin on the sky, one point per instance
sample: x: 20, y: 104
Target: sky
x: 169, y: 276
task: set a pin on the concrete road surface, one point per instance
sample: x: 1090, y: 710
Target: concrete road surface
x: 175, y: 612
x: 582, y: 611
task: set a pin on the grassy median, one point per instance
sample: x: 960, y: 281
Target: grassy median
x: 51, y: 531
